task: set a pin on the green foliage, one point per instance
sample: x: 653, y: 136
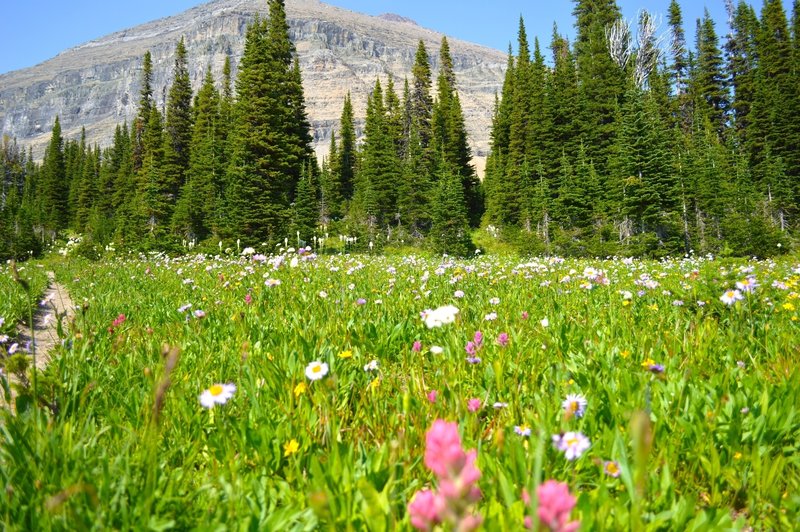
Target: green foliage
x: 709, y: 443
x: 450, y: 231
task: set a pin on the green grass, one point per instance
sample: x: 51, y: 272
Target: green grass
x: 15, y: 301
x: 717, y: 436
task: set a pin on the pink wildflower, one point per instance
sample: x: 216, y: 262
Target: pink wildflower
x: 426, y: 509
x: 502, y: 339
x: 417, y: 347
x: 555, y: 505
x: 478, y: 339
x: 474, y: 404
x: 443, y: 452
x: 432, y: 396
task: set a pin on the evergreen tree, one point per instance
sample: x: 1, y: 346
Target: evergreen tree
x: 450, y: 134
x: 87, y: 192
x: 601, y: 81
x: 143, y: 114
x: 380, y: 167
x: 422, y: 104
x: 305, y: 216
x: 54, y: 191
x: 177, y: 127
x: 347, y: 149
x: 709, y: 83
x: 741, y: 52
x: 199, y: 210
x: 450, y: 225
x: 779, y: 91
x: 271, y: 141
x: 151, y: 211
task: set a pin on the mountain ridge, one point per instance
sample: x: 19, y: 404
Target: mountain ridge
x: 95, y: 84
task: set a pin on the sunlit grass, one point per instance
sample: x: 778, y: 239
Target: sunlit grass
x: 695, y: 401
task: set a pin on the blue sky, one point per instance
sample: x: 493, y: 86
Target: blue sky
x: 35, y: 30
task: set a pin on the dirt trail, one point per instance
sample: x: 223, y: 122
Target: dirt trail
x: 55, y: 305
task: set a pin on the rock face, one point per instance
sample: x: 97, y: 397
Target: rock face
x: 96, y: 85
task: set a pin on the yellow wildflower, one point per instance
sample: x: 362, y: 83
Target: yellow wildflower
x: 647, y: 363
x: 346, y: 354
x: 300, y: 389
x: 625, y: 353
x: 788, y: 306
x: 290, y: 447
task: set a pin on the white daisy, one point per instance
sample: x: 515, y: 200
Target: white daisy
x: 218, y: 394
x: 316, y: 370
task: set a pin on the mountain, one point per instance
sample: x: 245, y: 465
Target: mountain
x: 96, y: 84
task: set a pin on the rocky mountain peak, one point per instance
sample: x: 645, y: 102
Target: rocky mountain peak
x: 96, y: 85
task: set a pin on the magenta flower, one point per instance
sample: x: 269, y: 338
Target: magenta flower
x: 248, y: 299
x: 463, y: 488
x: 502, y: 339
x: 457, y: 476
x: 478, y: 339
x: 471, y: 348
x: 555, y: 505
x: 432, y: 396
x: 474, y: 404
x: 425, y: 510
x: 417, y: 347
x: 443, y: 452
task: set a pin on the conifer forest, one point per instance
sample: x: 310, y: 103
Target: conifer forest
x: 633, y: 139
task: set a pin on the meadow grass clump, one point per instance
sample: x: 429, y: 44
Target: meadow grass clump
x: 296, y: 392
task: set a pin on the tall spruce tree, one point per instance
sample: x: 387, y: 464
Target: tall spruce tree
x: 601, y: 81
x: 177, y: 127
x: 143, y: 113
x: 54, y: 190
x: 271, y: 141
x: 709, y: 83
x: 450, y: 133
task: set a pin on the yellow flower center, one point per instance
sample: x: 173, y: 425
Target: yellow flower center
x: 316, y: 369
x: 611, y: 468
x: 572, y: 442
x: 216, y: 390
x: 573, y: 407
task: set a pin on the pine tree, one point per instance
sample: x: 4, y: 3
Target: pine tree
x: 143, y: 114
x: 679, y: 68
x: 422, y: 104
x: 380, y: 166
x: 271, y: 141
x: 199, y: 210
x: 450, y: 225
x: 709, y: 83
x: 561, y: 108
x: 347, y: 150
x: 780, y: 95
x: 54, y: 192
x: 305, y: 216
x: 741, y: 52
x: 151, y: 210
x: 450, y: 134
x: 87, y: 192
x: 601, y: 81
x: 177, y: 127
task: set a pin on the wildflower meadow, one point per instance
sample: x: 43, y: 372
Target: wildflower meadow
x: 291, y: 391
